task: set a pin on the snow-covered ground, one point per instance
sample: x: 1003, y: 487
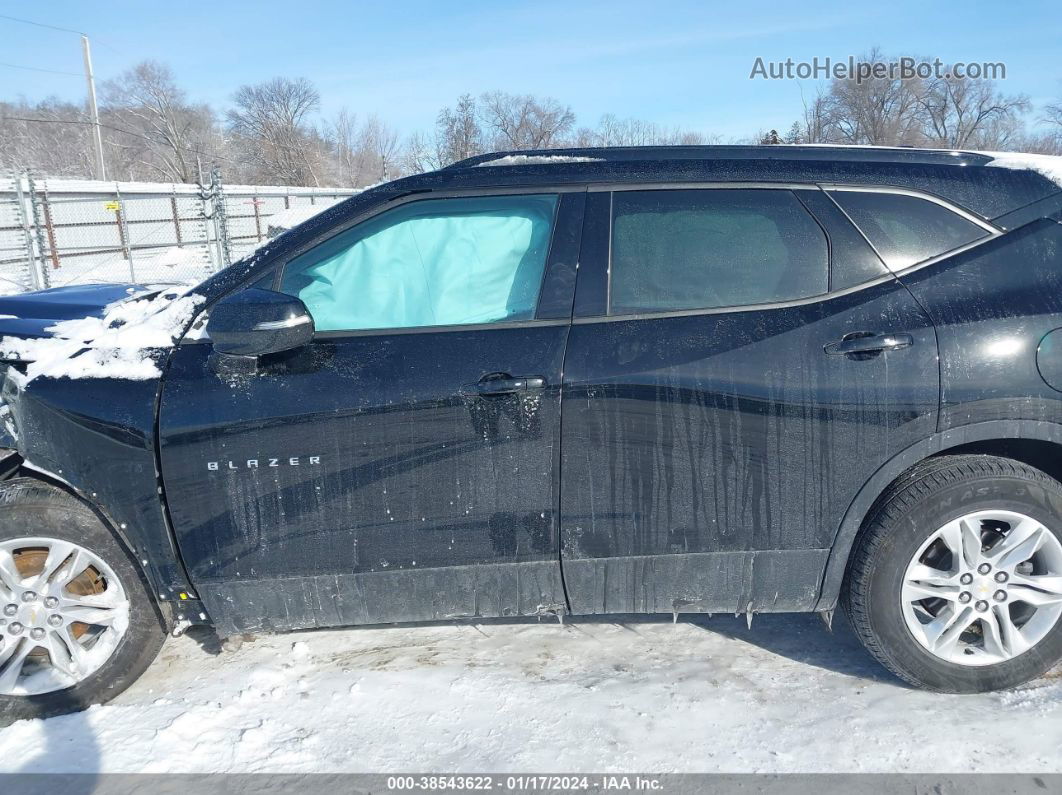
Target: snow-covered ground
x: 641, y: 695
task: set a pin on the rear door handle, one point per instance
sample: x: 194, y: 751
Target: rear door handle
x: 500, y: 384
x: 870, y: 342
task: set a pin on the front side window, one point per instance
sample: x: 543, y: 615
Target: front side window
x: 906, y: 229
x: 436, y: 262
x: 701, y: 249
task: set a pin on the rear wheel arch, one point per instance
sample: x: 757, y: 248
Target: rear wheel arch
x: 1028, y: 441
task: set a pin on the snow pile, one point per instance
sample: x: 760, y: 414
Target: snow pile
x: 705, y: 695
x: 1048, y: 165
x: 9, y: 287
x: 532, y: 160
x: 292, y: 217
x: 173, y: 256
x: 117, y: 345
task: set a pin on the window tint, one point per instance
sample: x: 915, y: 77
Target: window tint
x: 429, y: 263
x: 265, y: 282
x: 699, y: 249
x: 906, y: 229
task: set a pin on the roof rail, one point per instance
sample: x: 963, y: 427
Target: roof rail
x: 614, y: 154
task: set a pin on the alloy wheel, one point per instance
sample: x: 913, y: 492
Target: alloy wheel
x: 984, y: 588
x: 63, y: 612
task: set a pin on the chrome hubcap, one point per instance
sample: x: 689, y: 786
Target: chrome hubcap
x: 64, y: 612
x: 984, y: 588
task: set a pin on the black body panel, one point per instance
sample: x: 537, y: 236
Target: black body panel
x: 398, y: 470
x: 992, y: 307
x: 730, y: 432
x: 712, y: 460
x: 415, y: 495
x: 97, y: 436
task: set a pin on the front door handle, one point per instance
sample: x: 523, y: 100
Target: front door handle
x: 505, y: 384
x: 870, y: 342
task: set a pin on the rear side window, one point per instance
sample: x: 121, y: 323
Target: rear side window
x: 436, y: 262
x: 906, y: 229
x: 702, y: 249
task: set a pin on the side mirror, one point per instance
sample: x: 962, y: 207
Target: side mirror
x: 254, y: 322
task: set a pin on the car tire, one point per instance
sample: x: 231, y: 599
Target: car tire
x: 30, y: 509
x: 931, y: 521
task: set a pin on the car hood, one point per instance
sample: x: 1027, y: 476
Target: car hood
x: 29, y: 314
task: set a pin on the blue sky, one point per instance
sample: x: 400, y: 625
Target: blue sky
x: 676, y: 63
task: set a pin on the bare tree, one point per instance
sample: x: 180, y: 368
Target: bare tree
x: 817, y: 121
x: 154, y: 131
x: 1052, y: 117
x: 523, y: 121
x: 457, y: 135
x: 379, y: 142
x: 614, y: 131
x: 421, y: 154
x: 271, y: 127
x: 365, y: 153
x: 1053, y: 114
x: 50, y: 137
x: 343, y: 133
x: 795, y: 134
x: 969, y: 113
x: 1048, y: 143
x: 459, y: 132
x: 876, y: 110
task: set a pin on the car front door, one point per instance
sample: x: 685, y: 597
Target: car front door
x: 402, y: 466
x: 725, y: 400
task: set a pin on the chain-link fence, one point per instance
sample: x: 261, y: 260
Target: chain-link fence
x: 56, y: 232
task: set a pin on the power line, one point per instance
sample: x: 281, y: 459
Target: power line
x: 42, y: 25
x: 55, y: 27
x: 116, y: 129
x: 38, y: 69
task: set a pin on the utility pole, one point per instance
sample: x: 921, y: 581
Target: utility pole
x: 101, y: 171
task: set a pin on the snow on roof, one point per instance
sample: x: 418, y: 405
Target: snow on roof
x: 1048, y: 165
x: 888, y: 148
x: 531, y: 160
x: 117, y: 345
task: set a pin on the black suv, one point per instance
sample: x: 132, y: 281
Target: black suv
x: 647, y: 380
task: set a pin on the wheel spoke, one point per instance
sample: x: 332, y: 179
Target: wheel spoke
x: 1020, y: 544
x: 951, y: 535
x: 96, y: 613
x: 58, y: 554
x: 11, y: 661
x: 924, y: 582
x: 971, y: 543
x: 942, y: 633
x: 67, y: 654
x: 75, y: 565
x: 998, y: 632
x: 1002, y: 637
x: 1036, y: 589
x: 10, y: 578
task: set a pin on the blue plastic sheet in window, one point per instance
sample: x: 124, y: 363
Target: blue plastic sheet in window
x: 433, y: 262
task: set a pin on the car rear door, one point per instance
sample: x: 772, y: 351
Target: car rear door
x: 727, y: 391
x: 404, y: 465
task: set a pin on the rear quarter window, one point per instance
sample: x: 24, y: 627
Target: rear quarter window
x: 906, y: 230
